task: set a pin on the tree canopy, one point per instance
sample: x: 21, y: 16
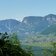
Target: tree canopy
x: 7, y: 48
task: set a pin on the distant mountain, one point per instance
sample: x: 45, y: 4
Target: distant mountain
x: 30, y: 25
x: 51, y: 18
x: 37, y: 24
x: 50, y: 30
x: 9, y: 25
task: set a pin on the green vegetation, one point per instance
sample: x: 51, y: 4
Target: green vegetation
x: 10, y: 46
x: 51, y: 29
x: 43, y: 44
x: 40, y: 40
x: 50, y: 51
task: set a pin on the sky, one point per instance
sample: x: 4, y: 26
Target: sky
x: 18, y: 9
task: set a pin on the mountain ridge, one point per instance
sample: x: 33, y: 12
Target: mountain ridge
x: 30, y: 25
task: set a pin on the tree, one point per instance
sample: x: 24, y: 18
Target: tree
x: 9, y: 49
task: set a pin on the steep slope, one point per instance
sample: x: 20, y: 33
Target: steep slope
x: 35, y: 24
x: 50, y: 30
x: 9, y: 25
x: 51, y: 18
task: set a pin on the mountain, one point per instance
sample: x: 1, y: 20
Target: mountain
x: 51, y: 18
x: 37, y: 24
x: 30, y: 25
x: 9, y: 25
x: 50, y: 30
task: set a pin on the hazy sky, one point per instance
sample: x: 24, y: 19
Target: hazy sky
x: 17, y: 9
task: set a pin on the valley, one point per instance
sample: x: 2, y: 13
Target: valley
x: 35, y: 31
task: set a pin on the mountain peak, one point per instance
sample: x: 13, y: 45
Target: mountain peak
x: 50, y: 15
x: 32, y: 19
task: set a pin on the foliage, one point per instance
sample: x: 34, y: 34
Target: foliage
x: 10, y: 49
x: 51, y: 51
